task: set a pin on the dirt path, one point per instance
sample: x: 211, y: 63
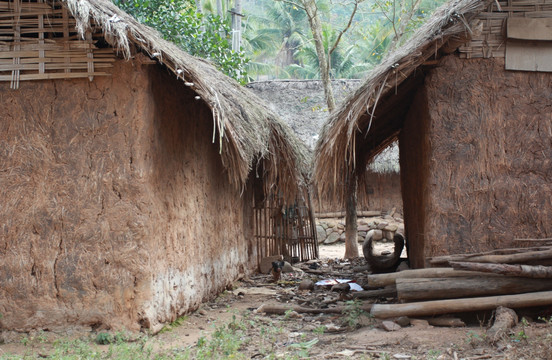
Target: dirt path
x: 231, y: 327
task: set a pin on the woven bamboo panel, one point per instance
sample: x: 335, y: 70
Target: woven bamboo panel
x: 492, y: 41
x: 38, y: 41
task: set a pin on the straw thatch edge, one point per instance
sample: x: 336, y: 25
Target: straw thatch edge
x: 245, y: 129
x: 335, y: 150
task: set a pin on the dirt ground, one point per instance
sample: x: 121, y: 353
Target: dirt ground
x: 234, y: 326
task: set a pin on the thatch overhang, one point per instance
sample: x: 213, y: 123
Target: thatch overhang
x: 247, y: 132
x: 370, y: 119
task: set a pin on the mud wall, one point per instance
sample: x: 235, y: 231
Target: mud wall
x: 490, y: 165
x: 115, y: 211
x: 383, y: 193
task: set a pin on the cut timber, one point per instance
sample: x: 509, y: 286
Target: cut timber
x: 459, y: 287
x: 390, y: 291
x: 529, y: 271
x: 438, y: 307
x: 281, y: 310
x: 381, y: 280
x: 342, y: 214
x: 535, y: 253
x: 505, y: 319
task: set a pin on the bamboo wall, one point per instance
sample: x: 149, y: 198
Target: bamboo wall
x: 491, y: 42
x: 38, y: 41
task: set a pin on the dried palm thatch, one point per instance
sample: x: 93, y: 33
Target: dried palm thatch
x: 361, y: 127
x: 247, y: 132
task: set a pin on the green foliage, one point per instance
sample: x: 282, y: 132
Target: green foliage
x: 353, y: 313
x: 205, y: 36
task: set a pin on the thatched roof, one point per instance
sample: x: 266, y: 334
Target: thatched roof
x: 247, y: 132
x: 301, y: 104
x: 369, y: 120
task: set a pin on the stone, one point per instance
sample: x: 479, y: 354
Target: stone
x: 364, y: 228
x: 287, y: 267
x: 388, y: 235
x: 391, y: 227
x: 324, y: 225
x: 329, y: 231
x: 362, y: 234
x: 420, y: 323
x: 377, y: 235
x: 388, y: 217
x: 340, y: 226
x: 332, y: 238
x: 390, y: 325
x: 320, y: 233
x: 382, y: 225
x: 306, y: 284
x: 360, y: 239
x: 402, y: 321
x: 342, y: 236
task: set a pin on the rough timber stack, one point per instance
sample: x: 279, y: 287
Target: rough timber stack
x: 127, y: 189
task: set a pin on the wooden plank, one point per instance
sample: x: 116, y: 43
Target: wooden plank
x: 529, y: 56
x: 439, y: 307
x: 523, y: 28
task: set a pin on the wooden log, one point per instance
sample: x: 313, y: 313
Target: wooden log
x: 529, y: 271
x: 390, y: 291
x: 505, y: 319
x: 381, y: 280
x: 444, y: 260
x: 438, y: 307
x: 460, y: 287
x: 341, y: 214
x: 282, y: 309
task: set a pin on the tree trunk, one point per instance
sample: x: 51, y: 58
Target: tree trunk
x: 389, y: 291
x: 351, y: 242
x: 219, y: 9
x: 461, y: 287
x: 236, y: 26
x: 528, y: 271
x: 438, y: 307
x: 316, y: 29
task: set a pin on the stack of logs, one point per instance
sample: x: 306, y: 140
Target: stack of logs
x: 513, y: 278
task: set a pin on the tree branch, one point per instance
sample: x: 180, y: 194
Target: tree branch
x: 344, y: 30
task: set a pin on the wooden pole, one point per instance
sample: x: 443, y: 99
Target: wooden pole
x: 461, y: 287
x: 529, y: 271
x: 438, y: 307
x: 381, y: 280
x: 282, y: 309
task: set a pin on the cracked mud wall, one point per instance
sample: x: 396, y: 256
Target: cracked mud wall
x: 490, y: 163
x: 115, y: 211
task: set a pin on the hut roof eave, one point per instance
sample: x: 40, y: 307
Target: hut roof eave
x: 244, y: 128
x: 337, y: 150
